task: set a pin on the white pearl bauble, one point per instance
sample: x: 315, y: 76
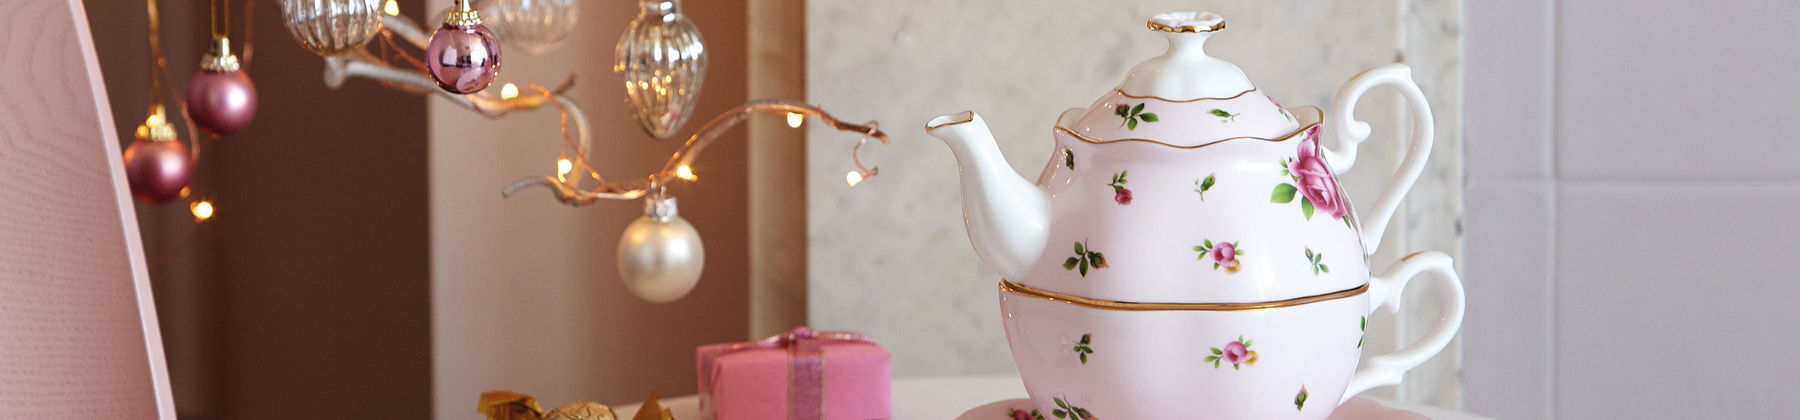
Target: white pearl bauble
x: 660, y: 256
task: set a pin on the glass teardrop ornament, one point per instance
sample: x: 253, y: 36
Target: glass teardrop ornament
x: 663, y: 59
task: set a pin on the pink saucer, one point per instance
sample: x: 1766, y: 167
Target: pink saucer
x: 1355, y: 409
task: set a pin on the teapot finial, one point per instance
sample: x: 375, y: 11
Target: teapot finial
x: 1185, y: 72
x: 1187, y: 31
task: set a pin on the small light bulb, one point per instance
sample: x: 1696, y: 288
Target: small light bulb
x: 202, y: 210
x: 795, y: 119
x: 392, y: 8
x: 564, y: 166
x: 509, y: 91
x: 685, y: 172
x: 853, y: 178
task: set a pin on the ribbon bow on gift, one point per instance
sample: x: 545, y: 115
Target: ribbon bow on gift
x: 806, y: 368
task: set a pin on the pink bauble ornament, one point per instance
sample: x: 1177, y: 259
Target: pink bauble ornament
x: 221, y: 102
x: 220, y: 97
x: 158, y: 170
x: 463, y: 55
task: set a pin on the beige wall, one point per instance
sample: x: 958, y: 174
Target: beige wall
x: 525, y: 295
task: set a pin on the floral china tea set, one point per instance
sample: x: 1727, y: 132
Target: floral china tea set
x: 1187, y: 248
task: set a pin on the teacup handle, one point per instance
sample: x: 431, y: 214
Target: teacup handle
x: 1385, y: 291
x: 1344, y: 133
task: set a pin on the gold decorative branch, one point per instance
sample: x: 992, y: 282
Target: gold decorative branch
x: 394, y: 68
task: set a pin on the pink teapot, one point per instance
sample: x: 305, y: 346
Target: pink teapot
x: 1187, y: 251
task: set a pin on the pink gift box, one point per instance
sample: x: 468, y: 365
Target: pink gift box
x: 801, y: 375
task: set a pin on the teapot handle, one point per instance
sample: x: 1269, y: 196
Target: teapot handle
x: 1345, y: 133
x: 1385, y: 291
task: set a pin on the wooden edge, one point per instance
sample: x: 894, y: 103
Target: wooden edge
x: 134, y: 246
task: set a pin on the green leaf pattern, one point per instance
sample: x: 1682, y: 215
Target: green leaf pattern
x: 1202, y: 185
x: 1133, y: 114
x: 1365, y: 332
x: 1316, y: 259
x: 1226, y: 116
x: 1084, y: 259
x: 1084, y: 347
x: 1064, y: 410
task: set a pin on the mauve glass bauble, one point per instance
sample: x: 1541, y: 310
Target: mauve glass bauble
x: 158, y: 170
x: 221, y: 102
x: 463, y: 59
x: 331, y: 27
x: 663, y: 60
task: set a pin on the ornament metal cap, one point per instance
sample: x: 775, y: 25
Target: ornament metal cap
x: 462, y: 15
x: 156, y: 126
x: 220, y: 59
x: 661, y: 208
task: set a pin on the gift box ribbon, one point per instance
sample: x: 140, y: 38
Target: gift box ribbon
x: 806, y: 367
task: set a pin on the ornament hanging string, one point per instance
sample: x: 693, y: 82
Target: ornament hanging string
x: 160, y: 92
x: 160, y: 87
x: 249, y: 31
x: 219, y: 18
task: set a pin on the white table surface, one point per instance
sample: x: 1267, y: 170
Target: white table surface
x: 944, y: 398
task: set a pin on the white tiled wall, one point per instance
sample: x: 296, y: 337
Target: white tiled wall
x: 1631, y: 251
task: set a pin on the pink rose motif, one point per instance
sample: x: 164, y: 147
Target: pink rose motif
x: 1121, y: 194
x: 1020, y: 415
x: 1236, y: 352
x: 1316, y: 182
x: 1224, y: 253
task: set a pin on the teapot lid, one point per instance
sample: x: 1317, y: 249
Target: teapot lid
x: 1185, y: 72
x: 1182, y: 98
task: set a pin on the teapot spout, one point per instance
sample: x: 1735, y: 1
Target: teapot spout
x: 1008, y: 216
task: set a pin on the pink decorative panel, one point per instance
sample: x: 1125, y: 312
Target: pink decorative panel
x: 78, y: 336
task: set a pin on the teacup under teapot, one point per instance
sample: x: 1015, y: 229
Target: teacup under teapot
x: 1187, y: 251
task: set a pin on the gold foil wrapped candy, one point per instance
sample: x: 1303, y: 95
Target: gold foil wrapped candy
x: 652, y: 410
x: 505, y: 405
x: 581, y: 410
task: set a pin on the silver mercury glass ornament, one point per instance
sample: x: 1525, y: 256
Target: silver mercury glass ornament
x: 663, y: 59
x: 331, y: 27
x: 538, y: 26
x: 660, y: 256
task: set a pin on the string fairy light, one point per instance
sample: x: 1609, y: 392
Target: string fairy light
x: 202, y: 209
x: 794, y: 119
x: 392, y: 8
